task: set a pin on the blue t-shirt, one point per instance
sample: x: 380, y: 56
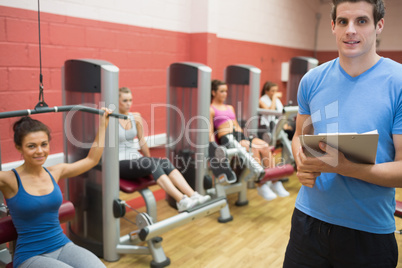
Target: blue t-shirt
x: 36, y: 219
x: 340, y: 103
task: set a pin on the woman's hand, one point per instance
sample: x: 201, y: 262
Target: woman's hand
x: 104, y: 119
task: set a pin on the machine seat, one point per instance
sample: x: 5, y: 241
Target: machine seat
x: 398, y: 209
x: 276, y: 173
x: 131, y: 186
x: 8, y: 232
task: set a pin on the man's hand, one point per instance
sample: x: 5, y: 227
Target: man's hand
x: 304, y: 171
x: 309, y: 168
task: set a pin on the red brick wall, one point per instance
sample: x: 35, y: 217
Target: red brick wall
x: 268, y: 58
x: 142, y: 55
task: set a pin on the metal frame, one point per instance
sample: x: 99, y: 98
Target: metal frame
x: 247, y: 76
x: 113, y: 244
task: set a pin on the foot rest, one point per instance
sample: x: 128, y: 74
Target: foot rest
x: 398, y: 209
x: 277, y: 173
x: 212, y: 201
x: 7, y: 229
x: 131, y: 186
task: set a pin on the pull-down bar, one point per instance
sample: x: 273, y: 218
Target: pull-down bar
x: 66, y: 108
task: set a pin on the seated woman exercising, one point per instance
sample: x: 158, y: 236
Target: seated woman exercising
x: 34, y: 198
x: 225, y: 123
x: 134, y: 165
x: 270, y: 100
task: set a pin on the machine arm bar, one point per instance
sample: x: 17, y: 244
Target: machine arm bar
x: 163, y: 226
x: 66, y: 108
x: 269, y: 112
x: 288, y: 111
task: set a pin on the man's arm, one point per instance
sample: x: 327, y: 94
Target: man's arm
x: 140, y: 135
x: 385, y: 174
x: 305, y: 175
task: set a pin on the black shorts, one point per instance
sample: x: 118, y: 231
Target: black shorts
x: 314, y: 243
x: 144, y: 166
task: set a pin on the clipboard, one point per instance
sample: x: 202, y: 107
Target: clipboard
x: 358, y: 148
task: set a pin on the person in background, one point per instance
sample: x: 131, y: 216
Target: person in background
x: 223, y: 122
x: 344, y: 212
x: 271, y: 100
x: 34, y: 198
x: 134, y: 164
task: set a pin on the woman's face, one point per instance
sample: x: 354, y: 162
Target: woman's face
x: 125, y: 101
x: 270, y: 92
x: 35, y: 148
x: 221, y: 93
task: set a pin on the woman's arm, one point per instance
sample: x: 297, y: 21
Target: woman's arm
x: 2, y: 179
x: 211, y: 124
x: 4, y: 187
x: 8, y: 184
x: 236, y: 125
x: 140, y: 135
x: 263, y: 105
x: 276, y: 96
x: 66, y: 170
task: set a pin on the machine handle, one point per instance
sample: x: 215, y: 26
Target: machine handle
x: 262, y: 111
x: 66, y: 108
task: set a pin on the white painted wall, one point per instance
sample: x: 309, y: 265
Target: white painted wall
x: 160, y: 14
x: 288, y: 23
x: 390, y: 38
x: 326, y: 40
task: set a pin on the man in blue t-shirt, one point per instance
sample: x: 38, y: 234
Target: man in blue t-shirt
x: 343, y: 215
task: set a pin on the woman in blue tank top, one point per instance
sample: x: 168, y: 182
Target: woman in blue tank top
x: 34, y: 198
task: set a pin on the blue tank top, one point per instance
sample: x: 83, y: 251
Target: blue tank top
x: 36, y: 219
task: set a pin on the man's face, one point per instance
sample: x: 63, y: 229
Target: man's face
x: 354, y: 29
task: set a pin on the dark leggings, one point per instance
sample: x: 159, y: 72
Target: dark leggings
x: 239, y: 136
x: 144, y: 166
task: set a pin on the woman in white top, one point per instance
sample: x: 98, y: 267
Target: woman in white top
x: 270, y: 100
x: 134, y: 164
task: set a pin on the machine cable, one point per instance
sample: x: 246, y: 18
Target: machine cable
x: 41, y: 106
x: 119, y: 210
x: 41, y: 102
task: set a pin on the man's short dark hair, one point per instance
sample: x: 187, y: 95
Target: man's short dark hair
x: 378, y: 8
